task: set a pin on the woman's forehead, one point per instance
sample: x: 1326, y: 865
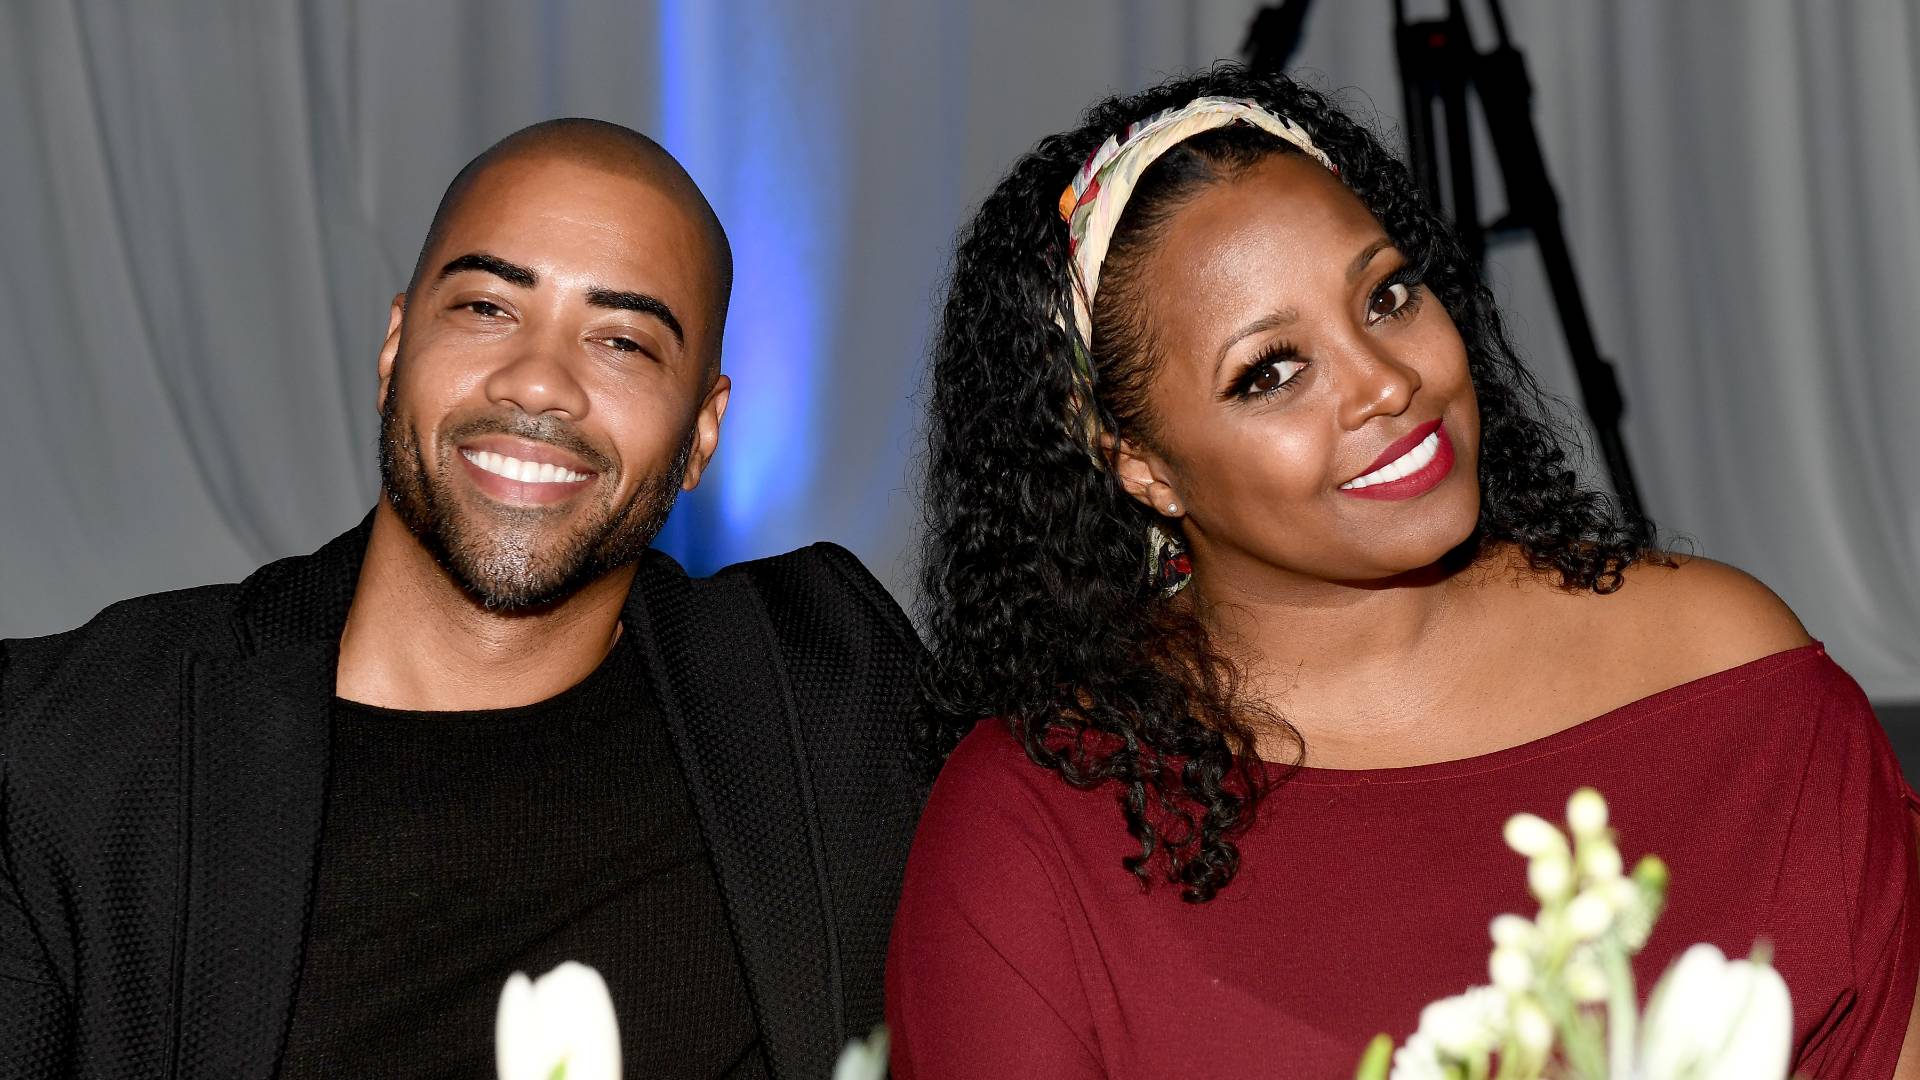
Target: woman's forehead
x: 1283, y: 222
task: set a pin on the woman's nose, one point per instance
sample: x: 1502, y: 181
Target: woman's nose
x: 1380, y: 384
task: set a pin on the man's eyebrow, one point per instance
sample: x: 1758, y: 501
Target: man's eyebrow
x: 640, y: 302
x: 1359, y: 264
x: 511, y: 273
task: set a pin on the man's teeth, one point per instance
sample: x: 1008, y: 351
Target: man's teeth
x: 1403, y: 466
x: 527, y: 472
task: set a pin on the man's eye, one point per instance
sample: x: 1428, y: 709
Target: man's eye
x: 1390, y: 301
x: 486, y: 308
x: 624, y: 344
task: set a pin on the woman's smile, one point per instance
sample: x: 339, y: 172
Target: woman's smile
x: 1414, y: 465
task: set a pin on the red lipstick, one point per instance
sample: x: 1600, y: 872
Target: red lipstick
x: 1421, y: 480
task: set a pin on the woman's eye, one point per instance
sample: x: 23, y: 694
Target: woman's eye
x: 1271, y: 375
x: 1390, y: 301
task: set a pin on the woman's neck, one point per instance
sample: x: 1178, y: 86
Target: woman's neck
x: 1349, y: 665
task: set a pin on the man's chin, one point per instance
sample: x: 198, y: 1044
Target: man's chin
x: 509, y: 558
x: 519, y: 557
x: 513, y: 581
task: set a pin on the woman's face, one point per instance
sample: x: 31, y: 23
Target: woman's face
x: 1312, y: 408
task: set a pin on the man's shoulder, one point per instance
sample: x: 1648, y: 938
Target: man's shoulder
x: 124, y: 638
x: 815, y: 594
x: 132, y: 651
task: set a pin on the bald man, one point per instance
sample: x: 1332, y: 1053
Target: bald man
x: 308, y: 825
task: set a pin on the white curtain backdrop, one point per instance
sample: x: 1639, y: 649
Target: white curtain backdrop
x: 204, y: 208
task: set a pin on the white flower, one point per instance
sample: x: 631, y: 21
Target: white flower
x: 1419, y: 1059
x: 1711, y: 1018
x: 1466, y: 1025
x: 864, y: 1060
x: 562, y: 1021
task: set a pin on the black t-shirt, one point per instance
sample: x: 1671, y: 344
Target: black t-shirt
x: 461, y: 847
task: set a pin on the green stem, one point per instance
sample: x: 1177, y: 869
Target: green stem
x: 1623, y: 1011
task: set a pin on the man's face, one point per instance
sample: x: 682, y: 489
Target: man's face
x: 545, y: 390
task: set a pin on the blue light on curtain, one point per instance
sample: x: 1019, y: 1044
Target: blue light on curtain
x: 769, y: 162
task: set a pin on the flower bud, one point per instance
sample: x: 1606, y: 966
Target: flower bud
x: 1530, y: 835
x: 1585, y: 980
x: 1532, y: 1029
x: 1599, y: 859
x: 1650, y: 873
x: 1550, y: 878
x: 1513, y: 932
x: 1511, y: 970
x: 1587, y: 813
x: 1589, y: 915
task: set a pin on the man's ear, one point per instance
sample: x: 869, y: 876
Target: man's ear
x: 706, y: 431
x: 390, y: 348
x: 1142, y: 474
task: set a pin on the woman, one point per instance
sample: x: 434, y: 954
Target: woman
x: 1261, y: 593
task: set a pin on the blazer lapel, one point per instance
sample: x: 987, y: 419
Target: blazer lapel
x: 724, y: 695
x: 257, y: 734
x: 259, y: 743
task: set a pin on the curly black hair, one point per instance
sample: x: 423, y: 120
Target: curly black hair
x: 1035, y: 600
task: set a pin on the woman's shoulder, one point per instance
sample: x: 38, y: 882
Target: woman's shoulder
x: 987, y: 789
x: 1716, y: 610
x: 1674, y: 619
x: 998, y: 835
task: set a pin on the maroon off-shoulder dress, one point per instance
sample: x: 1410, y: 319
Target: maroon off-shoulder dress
x: 1022, y: 948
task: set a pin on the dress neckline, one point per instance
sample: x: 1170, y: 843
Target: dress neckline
x: 1560, y: 741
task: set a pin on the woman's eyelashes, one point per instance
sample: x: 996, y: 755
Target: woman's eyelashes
x: 1269, y: 373
x: 1279, y: 366
x: 1397, y: 297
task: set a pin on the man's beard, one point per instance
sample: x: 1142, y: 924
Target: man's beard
x: 497, y: 554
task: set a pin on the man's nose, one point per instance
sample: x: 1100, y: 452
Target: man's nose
x: 539, y: 379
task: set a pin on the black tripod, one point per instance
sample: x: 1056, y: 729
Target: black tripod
x: 1438, y: 65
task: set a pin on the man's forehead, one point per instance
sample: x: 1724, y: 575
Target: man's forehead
x: 576, y: 193
x: 556, y: 213
x: 565, y: 187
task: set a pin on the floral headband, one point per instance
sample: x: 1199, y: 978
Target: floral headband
x: 1091, y: 206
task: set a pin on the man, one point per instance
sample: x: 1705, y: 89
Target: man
x: 307, y: 825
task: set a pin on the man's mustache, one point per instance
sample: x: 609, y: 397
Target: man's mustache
x: 542, y: 429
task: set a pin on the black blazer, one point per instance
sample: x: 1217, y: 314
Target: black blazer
x: 163, y: 770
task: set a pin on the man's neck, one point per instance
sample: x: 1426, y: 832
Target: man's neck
x: 416, y: 640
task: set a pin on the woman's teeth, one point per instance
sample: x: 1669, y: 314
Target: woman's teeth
x: 1401, y: 467
x: 527, y: 472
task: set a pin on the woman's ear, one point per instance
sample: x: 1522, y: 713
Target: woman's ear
x: 1143, y: 474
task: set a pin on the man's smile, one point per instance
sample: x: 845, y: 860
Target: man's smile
x: 522, y: 471
x: 527, y: 472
